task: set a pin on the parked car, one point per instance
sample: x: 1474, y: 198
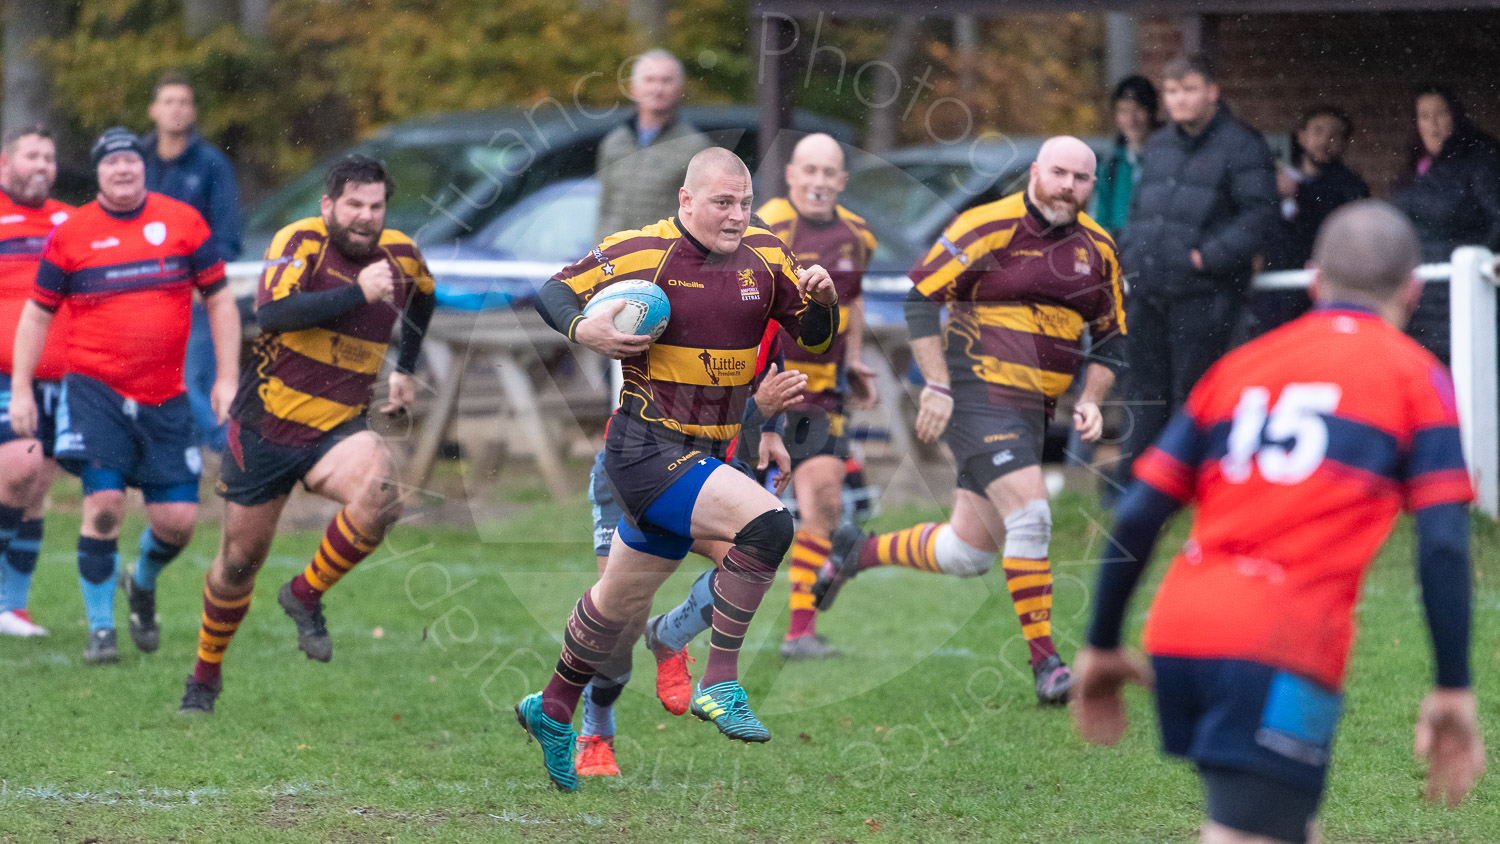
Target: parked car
x: 918, y: 190
x: 456, y: 173
x: 554, y: 226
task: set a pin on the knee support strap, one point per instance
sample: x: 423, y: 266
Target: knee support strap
x: 768, y: 536
x: 959, y: 558
x: 1028, y: 530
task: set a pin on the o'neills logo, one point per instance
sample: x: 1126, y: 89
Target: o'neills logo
x: 672, y: 467
x: 720, y: 366
x: 672, y: 282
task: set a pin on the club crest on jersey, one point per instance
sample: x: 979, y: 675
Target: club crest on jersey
x: 59, y: 217
x: 1081, y: 260
x: 749, y: 292
x: 609, y: 269
x: 156, y: 233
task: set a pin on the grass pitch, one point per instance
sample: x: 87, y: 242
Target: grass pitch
x: 926, y: 730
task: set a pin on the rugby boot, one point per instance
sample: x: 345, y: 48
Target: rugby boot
x: 807, y: 647
x: 596, y: 757
x: 145, y: 629
x: 842, y: 566
x: 198, y: 698
x: 312, y: 630
x: 556, y: 738
x: 101, y: 647
x: 723, y: 704
x: 674, y: 684
x: 1053, y: 681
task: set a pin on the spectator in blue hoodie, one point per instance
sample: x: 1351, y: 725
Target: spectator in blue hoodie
x: 184, y: 166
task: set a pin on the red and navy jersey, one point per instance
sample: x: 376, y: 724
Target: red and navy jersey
x: 129, y: 279
x: 1300, y: 449
x: 23, y: 233
x: 1020, y: 294
x: 693, y: 382
x: 843, y: 247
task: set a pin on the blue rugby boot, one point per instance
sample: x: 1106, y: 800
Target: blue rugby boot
x: 723, y: 704
x: 556, y: 738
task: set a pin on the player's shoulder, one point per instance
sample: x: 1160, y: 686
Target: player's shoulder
x: 777, y: 212
x: 162, y: 205
x: 765, y: 242
x: 1095, y: 232
x: 53, y: 207
x: 309, y: 232
x: 392, y: 238
x: 991, y: 216
x: 657, y: 235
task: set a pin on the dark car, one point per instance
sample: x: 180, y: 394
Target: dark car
x: 456, y: 173
x: 918, y: 190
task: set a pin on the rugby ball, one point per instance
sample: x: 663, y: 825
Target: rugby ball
x: 646, y: 308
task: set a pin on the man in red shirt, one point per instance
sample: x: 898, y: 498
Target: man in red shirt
x: 127, y: 265
x: 28, y: 167
x: 1299, y: 454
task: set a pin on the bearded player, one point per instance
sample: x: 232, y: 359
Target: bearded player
x: 28, y: 168
x: 822, y: 232
x: 1023, y: 279
x: 334, y: 288
x: 681, y: 406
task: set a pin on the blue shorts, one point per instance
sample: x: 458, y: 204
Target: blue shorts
x: 666, y: 527
x: 113, y: 442
x: 1247, y: 718
x: 45, y: 394
x: 607, y: 514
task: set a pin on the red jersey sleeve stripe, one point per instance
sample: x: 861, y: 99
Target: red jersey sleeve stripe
x: 1448, y: 486
x: 210, y: 276
x: 1166, y: 473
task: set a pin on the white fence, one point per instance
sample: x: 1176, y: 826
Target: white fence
x: 1471, y: 276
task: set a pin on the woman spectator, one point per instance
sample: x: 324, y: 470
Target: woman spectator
x: 1134, y: 105
x: 1450, y: 188
x: 1314, y: 183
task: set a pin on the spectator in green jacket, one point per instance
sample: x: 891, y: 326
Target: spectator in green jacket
x: 1134, y: 105
x: 643, y: 161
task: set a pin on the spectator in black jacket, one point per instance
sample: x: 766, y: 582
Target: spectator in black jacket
x: 1314, y: 183
x: 1202, y: 211
x: 1450, y: 188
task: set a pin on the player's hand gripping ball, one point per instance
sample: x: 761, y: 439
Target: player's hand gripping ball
x: 646, y: 308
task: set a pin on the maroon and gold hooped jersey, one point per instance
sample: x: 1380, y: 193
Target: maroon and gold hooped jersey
x: 299, y: 385
x: 1020, y: 295
x: 843, y: 247
x: 695, y: 379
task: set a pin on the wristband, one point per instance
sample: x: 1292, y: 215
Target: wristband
x: 940, y: 389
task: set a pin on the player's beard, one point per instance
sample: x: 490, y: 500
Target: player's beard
x: 30, y: 191
x: 1057, y: 209
x: 347, y: 246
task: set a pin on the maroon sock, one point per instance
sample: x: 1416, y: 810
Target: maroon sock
x: 869, y: 553
x: 738, y: 589
x: 587, y: 642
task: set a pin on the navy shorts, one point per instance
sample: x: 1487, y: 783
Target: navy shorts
x: 46, y: 395
x: 990, y: 440
x: 812, y: 432
x: 103, y: 435
x: 1250, y: 728
x: 257, y: 470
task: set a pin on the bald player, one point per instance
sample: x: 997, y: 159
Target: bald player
x: 665, y: 450
x: 1299, y: 454
x: 822, y: 232
x: 1023, y: 279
